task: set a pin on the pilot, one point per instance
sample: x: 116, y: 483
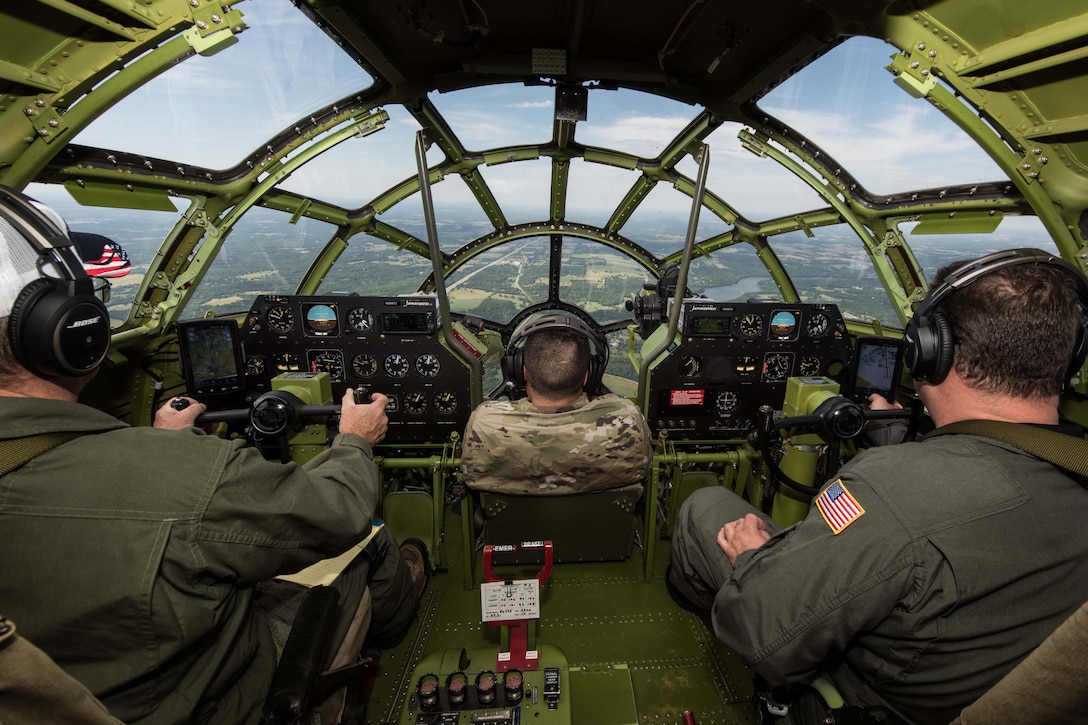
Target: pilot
x: 562, y: 437
x: 924, y: 571
x: 140, y: 558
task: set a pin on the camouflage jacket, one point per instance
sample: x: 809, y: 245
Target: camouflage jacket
x: 515, y: 447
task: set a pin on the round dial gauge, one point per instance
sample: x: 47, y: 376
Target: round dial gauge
x: 415, y: 403
x: 255, y: 366
x: 445, y: 403
x: 360, y: 319
x: 396, y: 365
x: 281, y: 319
x: 328, y: 361
x: 428, y: 365
x: 690, y: 366
x: 751, y: 324
x: 817, y: 325
x: 364, y: 365
x: 809, y: 365
x: 776, y: 366
x: 726, y: 402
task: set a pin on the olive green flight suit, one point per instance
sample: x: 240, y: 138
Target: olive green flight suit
x: 133, y: 555
x: 967, y: 553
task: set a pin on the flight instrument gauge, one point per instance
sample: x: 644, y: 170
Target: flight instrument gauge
x: 690, y: 366
x: 428, y: 365
x: 396, y: 365
x: 751, y: 324
x: 746, y: 366
x: 281, y: 319
x: 364, y: 365
x: 360, y: 319
x: 445, y: 403
x: 286, y: 362
x: 776, y: 366
x: 415, y: 403
x: 255, y: 366
x: 726, y: 402
x: 809, y: 366
x: 817, y: 325
x: 327, y: 361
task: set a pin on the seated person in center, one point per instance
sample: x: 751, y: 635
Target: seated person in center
x: 558, y: 439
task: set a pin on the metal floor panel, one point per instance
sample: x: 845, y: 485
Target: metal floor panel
x: 626, y: 649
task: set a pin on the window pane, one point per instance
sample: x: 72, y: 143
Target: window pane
x: 848, y: 104
x: 733, y: 274
x: 598, y: 279
x: 633, y: 122
x: 213, y: 111
x: 372, y: 267
x: 501, y: 281
x: 264, y: 254
x: 834, y: 268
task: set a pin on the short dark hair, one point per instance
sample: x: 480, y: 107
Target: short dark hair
x: 1015, y: 328
x: 556, y: 361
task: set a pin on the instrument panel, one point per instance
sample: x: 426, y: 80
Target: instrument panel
x: 734, y: 357
x: 390, y: 345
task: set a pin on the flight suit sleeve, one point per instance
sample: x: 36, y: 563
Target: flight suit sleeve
x: 264, y: 518
x: 801, y: 598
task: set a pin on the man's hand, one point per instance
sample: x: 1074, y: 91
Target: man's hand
x: 365, y: 420
x: 174, y: 415
x: 879, y: 402
x: 742, y: 535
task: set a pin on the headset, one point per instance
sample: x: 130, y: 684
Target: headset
x: 514, y: 361
x: 57, y: 326
x: 928, y: 336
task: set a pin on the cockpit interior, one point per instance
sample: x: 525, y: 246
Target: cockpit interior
x: 301, y: 198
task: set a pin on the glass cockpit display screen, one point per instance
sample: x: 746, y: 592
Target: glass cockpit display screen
x: 211, y: 356
x: 876, y: 367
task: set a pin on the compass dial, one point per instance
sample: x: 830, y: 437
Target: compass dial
x: 726, y: 402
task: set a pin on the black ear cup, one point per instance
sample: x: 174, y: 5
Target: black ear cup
x: 54, y: 334
x: 929, y: 344
x: 929, y: 347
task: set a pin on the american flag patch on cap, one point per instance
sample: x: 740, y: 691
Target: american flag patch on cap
x: 838, y: 507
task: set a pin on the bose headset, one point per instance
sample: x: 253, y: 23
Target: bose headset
x: 928, y: 336
x: 57, y: 325
x: 514, y: 361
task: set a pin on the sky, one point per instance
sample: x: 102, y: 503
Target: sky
x: 215, y: 111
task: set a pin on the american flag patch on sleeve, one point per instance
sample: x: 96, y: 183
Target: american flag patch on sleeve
x: 838, y: 507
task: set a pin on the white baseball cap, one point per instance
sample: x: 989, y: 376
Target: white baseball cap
x: 18, y: 264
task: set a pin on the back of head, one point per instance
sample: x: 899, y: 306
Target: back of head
x: 556, y: 362
x: 54, y: 325
x: 1016, y: 330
